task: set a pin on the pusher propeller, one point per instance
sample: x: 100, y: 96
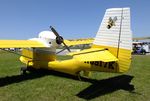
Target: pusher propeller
x: 59, y: 39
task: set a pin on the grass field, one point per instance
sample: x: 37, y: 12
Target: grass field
x: 54, y: 86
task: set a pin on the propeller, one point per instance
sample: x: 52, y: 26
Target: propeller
x: 59, y: 39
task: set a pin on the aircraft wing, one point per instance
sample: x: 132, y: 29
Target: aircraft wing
x: 94, y: 54
x: 79, y: 41
x: 20, y: 44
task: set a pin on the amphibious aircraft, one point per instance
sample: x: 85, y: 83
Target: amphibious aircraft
x: 110, y: 51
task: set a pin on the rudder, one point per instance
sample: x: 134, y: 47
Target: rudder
x: 115, y: 34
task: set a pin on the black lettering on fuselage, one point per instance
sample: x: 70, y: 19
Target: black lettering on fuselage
x: 100, y: 63
x: 92, y: 62
x: 105, y: 64
x: 96, y: 63
x: 109, y: 65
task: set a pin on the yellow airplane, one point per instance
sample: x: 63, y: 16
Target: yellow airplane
x: 110, y: 51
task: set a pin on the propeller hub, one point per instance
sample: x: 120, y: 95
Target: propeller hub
x: 59, y: 40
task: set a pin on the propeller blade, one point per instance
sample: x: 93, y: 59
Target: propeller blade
x: 59, y: 38
x: 66, y: 46
x: 54, y: 31
x: 63, y: 50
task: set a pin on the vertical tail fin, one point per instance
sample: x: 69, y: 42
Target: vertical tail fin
x: 115, y: 34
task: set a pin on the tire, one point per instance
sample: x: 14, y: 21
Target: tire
x: 23, y: 70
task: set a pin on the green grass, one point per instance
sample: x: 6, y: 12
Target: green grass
x: 53, y: 86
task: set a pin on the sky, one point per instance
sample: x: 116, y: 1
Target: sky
x: 24, y: 19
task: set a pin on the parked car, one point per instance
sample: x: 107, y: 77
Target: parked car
x: 139, y: 50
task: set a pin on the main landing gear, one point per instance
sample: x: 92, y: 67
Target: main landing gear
x: 23, y: 70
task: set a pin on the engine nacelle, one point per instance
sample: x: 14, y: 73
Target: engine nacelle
x: 48, y: 38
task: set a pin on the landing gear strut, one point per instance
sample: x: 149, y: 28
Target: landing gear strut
x: 23, y: 70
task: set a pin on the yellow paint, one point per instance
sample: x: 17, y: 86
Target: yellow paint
x: 124, y: 57
x: 74, y: 66
x: 19, y: 44
x: 79, y: 41
x: 94, y: 54
x: 107, y: 61
x: 85, y: 51
x: 36, y: 60
x: 79, y: 62
x: 38, y: 56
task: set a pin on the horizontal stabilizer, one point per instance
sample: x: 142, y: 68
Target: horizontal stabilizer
x: 94, y: 54
x: 79, y: 41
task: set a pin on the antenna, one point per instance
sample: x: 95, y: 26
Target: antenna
x: 120, y: 33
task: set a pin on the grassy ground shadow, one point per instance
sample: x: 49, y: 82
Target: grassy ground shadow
x: 98, y: 87
x: 106, y: 86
